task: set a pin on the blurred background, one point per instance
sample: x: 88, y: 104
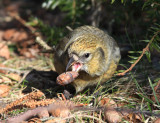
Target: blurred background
x: 128, y: 22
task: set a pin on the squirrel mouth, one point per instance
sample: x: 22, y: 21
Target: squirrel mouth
x: 76, y: 66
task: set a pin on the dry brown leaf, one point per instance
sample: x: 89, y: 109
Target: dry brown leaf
x: 132, y: 117
x: 24, y: 40
x: 14, y: 76
x: 1, y: 80
x: 22, y: 35
x: 112, y: 116
x: 14, y: 7
x: 2, y: 71
x: 108, y: 102
x: 1, y: 35
x: 15, y: 35
x: 8, y: 35
x: 33, y: 120
x: 56, y: 120
x: 4, y: 90
x: 138, y: 117
x: 4, y: 51
x: 28, y: 52
x: 157, y: 120
x: 6, y: 79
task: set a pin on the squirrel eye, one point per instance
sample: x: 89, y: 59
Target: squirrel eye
x: 86, y: 55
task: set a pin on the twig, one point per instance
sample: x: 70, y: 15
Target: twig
x: 143, y: 52
x: 155, y: 3
x: 100, y: 116
x: 24, y: 76
x: 91, y: 117
x: 13, y: 70
x: 39, y: 40
x: 77, y: 115
x: 43, y: 44
x: 23, y: 22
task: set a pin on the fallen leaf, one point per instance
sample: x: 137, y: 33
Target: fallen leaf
x: 121, y: 104
x: 1, y: 35
x: 14, y: 76
x: 112, y: 116
x: 129, y: 116
x: 14, y: 7
x: 1, y: 80
x: 4, y: 90
x: 15, y: 35
x: 4, y: 51
x: 138, y: 117
x: 5, y: 79
x: 108, y: 102
x: 2, y: 71
x: 134, y: 118
x: 56, y: 120
x: 33, y: 120
x: 157, y: 120
x: 8, y: 35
